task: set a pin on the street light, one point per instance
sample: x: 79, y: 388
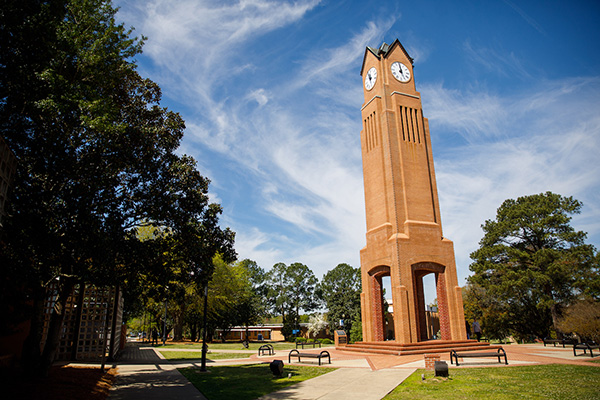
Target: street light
x: 164, y: 337
x: 204, y: 346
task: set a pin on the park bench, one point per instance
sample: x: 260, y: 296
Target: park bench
x: 313, y: 344
x: 454, y: 355
x: 296, y: 353
x: 266, y: 348
x: 585, y: 347
x: 560, y: 341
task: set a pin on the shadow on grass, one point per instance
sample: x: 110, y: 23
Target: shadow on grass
x: 249, y: 382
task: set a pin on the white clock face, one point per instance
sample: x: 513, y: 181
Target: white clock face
x: 400, y: 72
x: 371, y: 78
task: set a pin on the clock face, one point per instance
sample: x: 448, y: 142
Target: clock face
x: 371, y: 78
x: 400, y: 72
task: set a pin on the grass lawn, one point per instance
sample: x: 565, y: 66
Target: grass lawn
x: 242, y: 382
x: 235, y: 346
x: 196, y: 355
x: 556, y: 381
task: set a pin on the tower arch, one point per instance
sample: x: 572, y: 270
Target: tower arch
x: 377, y: 312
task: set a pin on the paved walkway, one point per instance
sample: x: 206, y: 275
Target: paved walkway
x: 345, y: 383
x: 144, y: 374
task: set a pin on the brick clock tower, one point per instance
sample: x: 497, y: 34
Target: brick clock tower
x: 404, y: 229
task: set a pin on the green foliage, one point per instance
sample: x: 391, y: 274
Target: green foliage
x: 582, y: 318
x: 340, y: 291
x: 230, y: 296
x: 530, y: 264
x: 290, y: 323
x: 291, y: 289
x: 356, y: 331
x: 97, y: 159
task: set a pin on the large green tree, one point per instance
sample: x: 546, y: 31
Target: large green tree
x: 340, y: 292
x: 96, y: 159
x: 531, y: 263
x: 291, y: 289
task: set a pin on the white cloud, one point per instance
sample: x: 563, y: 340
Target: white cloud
x: 474, y: 115
x: 260, y: 96
x: 549, y: 145
x: 501, y: 62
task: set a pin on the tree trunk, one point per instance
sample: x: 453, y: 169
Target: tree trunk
x: 178, y: 326
x: 193, y: 332
x: 556, y: 314
x: 54, y: 328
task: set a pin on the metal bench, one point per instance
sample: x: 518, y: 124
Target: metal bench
x: 296, y: 353
x: 560, y: 341
x: 313, y: 344
x: 585, y: 347
x: 454, y: 355
x: 266, y: 348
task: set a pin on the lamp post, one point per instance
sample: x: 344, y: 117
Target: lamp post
x: 204, y: 346
x: 164, y: 336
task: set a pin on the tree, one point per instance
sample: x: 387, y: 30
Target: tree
x: 356, y: 330
x: 340, y: 291
x: 316, y: 324
x: 531, y: 263
x: 96, y: 155
x: 582, y: 318
x: 292, y: 288
x: 253, y: 305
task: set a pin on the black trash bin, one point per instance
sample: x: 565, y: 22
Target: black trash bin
x: 276, y: 367
x: 441, y: 368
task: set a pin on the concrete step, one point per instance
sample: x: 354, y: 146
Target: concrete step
x: 432, y: 346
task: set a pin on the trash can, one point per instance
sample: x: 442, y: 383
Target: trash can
x: 276, y: 367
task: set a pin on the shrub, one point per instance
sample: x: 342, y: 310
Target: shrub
x: 582, y: 318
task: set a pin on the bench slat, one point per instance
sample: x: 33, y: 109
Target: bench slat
x: 322, y: 354
x: 454, y: 355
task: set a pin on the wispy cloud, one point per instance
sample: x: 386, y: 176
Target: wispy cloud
x: 473, y: 115
x: 501, y: 62
x: 288, y: 142
x: 532, y: 22
x: 550, y: 145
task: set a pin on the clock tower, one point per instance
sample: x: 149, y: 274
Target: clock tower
x: 404, y: 230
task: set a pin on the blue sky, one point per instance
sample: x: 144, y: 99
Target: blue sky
x: 271, y: 95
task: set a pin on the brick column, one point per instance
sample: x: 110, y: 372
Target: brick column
x: 377, y: 302
x: 443, y: 308
x: 430, y: 360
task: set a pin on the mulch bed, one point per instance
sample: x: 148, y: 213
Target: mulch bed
x: 66, y: 382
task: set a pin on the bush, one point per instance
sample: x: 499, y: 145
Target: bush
x: 326, y: 341
x: 582, y: 318
x: 356, y: 331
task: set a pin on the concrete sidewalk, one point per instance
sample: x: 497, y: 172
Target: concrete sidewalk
x: 143, y: 374
x: 345, y: 383
x: 152, y: 381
